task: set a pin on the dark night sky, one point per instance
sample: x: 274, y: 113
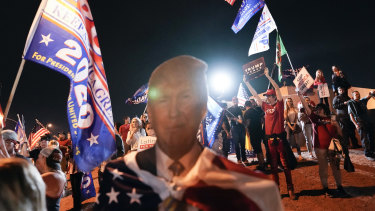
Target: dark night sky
x: 136, y: 36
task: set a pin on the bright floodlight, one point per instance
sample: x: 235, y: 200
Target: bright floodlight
x: 49, y: 125
x: 220, y: 82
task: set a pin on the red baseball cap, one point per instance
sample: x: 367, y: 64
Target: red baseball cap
x: 270, y: 92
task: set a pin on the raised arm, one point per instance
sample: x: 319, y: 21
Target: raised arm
x: 274, y: 84
x: 252, y: 91
x: 304, y: 104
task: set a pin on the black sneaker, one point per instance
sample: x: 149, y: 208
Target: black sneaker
x: 327, y: 193
x: 341, y: 193
x: 260, y: 168
x: 246, y: 163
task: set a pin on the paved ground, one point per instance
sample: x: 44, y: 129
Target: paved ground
x: 359, y: 184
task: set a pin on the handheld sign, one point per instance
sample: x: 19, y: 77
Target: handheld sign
x: 303, y: 80
x: 323, y: 90
x: 254, y: 69
x: 146, y: 142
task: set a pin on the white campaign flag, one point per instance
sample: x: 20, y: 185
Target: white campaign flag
x: 259, y: 45
x: 265, y: 26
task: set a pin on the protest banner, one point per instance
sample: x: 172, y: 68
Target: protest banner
x: 254, y: 69
x: 303, y: 81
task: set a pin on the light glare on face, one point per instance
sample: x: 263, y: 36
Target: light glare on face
x: 153, y: 93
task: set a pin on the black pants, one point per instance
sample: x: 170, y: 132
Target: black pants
x: 75, y: 181
x: 348, y: 130
x: 366, y: 132
x: 238, y: 137
x: 226, y: 144
x: 325, y: 101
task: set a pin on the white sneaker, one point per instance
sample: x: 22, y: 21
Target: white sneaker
x: 370, y: 158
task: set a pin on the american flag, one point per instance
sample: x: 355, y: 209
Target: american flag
x: 35, y: 135
x: 231, y: 2
x: 214, y: 183
x: 242, y: 95
x: 20, y: 130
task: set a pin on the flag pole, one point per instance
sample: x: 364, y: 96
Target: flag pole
x: 15, y: 84
x: 28, y: 42
x: 290, y: 63
x: 287, y: 55
x: 269, y: 83
x: 144, y: 111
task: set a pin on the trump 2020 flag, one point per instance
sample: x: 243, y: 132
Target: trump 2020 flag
x: 247, y: 10
x: 212, y: 122
x: 63, y: 38
x: 265, y: 26
x: 140, y: 96
x: 242, y: 95
x: 87, y: 187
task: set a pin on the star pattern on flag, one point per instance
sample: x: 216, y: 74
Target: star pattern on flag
x: 46, y: 39
x: 112, y: 196
x: 116, y: 174
x: 134, y: 197
x: 93, y: 139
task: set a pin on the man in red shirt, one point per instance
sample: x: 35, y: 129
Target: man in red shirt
x: 273, y: 109
x: 123, y: 130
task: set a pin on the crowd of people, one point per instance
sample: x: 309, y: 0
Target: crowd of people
x: 173, y: 168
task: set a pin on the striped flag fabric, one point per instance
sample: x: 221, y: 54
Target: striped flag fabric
x: 242, y: 95
x: 35, y: 135
x: 231, y: 2
x: 213, y: 183
x: 63, y: 38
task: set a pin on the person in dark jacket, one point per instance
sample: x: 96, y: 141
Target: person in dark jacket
x: 339, y: 80
x: 357, y: 109
x: 340, y: 103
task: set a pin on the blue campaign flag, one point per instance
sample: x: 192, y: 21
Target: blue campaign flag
x: 212, y: 122
x: 87, y: 187
x: 140, y: 96
x: 63, y: 38
x: 247, y: 10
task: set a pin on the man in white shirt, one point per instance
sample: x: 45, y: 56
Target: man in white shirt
x: 178, y: 172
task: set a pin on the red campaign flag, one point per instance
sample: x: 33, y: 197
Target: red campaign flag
x: 231, y: 2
